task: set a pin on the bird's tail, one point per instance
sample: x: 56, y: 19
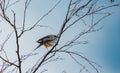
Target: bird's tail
x: 37, y: 47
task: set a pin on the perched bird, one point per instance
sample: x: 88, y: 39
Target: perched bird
x: 47, y: 41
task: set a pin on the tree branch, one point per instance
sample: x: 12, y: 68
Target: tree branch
x: 8, y: 61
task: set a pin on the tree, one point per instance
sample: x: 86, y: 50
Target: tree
x: 76, y: 13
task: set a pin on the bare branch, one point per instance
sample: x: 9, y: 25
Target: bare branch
x: 103, y: 8
x: 51, y: 60
x: 62, y: 30
x: 68, y: 10
x: 45, y: 14
x: 90, y: 62
x: 81, y: 7
x: 24, y: 57
x: 8, y: 37
x: 9, y: 5
x: 76, y: 11
x: 83, y: 67
x: 8, y: 61
x: 37, y: 22
x: 24, y: 16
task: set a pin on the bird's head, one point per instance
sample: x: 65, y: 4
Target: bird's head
x: 52, y: 37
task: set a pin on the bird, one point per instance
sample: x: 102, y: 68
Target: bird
x: 47, y: 41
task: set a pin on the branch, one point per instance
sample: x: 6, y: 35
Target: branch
x: 81, y: 7
x: 13, y: 3
x: 2, y: 49
x: 24, y: 57
x: 37, y: 22
x: 83, y: 67
x: 8, y: 37
x: 10, y: 4
x: 8, y: 61
x: 59, y: 35
x: 51, y: 60
x: 13, y: 25
x: 18, y: 49
x: 90, y: 29
x: 76, y: 12
x: 68, y: 10
x: 17, y: 43
x: 103, y: 8
x: 24, y: 16
x: 69, y: 52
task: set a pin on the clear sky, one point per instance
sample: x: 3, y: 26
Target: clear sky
x: 103, y: 47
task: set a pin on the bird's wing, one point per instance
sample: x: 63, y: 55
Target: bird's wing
x: 43, y: 39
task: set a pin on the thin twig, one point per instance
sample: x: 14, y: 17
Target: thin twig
x: 90, y: 62
x: 24, y: 16
x: 8, y: 61
x: 38, y: 21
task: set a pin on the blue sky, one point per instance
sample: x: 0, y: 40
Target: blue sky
x: 103, y: 46
x: 111, y: 52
